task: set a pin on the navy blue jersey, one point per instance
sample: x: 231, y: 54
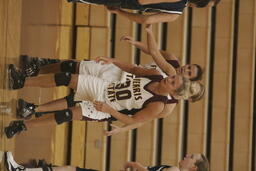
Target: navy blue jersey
x: 173, y: 7
x: 158, y: 168
x: 167, y: 7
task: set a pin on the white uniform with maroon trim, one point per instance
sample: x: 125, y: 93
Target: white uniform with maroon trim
x: 106, y: 73
x: 132, y: 94
x: 111, y: 73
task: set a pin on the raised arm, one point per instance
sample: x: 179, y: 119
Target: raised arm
x: 133, y: 69
x: 144, y: 48
x: 150, y: 112
x: 145, y: 19
x: 155, y: 53
x: 116, y: 129
x: 168, y: 109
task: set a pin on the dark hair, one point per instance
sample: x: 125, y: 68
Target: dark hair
x: 202, y: 165
x: 199, y: 73
x: 200, y: 3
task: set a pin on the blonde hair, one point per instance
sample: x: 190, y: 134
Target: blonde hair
x: 202, y: 165
x: 193, y: 90
x: 183, y: 89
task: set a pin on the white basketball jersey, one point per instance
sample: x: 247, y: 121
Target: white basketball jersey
x: 126, y: 75
x: 132, y: 94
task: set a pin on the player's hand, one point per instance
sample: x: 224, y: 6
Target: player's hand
x: 131, y: 165
x: 149, y: 28
x: 114, y: 10
x: 127, y: 39
x: 101, y: 106
x: 114, y: 130
x: 104, y: 60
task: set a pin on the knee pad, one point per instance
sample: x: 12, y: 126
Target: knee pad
x: 68, y: 66
x: 70, y: 100
x: 81, y: 169
x: 62, y: 78
x: 63, y: 116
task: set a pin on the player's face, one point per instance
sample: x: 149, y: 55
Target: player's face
x: 188, y: 71
x: 173, y: 82
x: 189, y: 161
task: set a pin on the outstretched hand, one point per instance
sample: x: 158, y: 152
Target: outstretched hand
x: 127, y: 39
x: 114, y: 130
x: 149, y: 28
x: 104, y: 59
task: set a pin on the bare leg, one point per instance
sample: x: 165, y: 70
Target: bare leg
x: 49, y: 119
x: 58, y: 104
x: 73, y: 82
x: 64, y: 168
x: 45, y: 120
x: 49, y: 81
x: 55, y: 68
x: 40, y: 81
x: 77, y: 113
x: 51, y: 68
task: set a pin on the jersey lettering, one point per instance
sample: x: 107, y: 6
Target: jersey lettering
x: 121, y: 91
x: 123, y: 95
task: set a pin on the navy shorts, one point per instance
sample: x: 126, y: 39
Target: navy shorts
x: 110, y: 3
x: 126, y: 4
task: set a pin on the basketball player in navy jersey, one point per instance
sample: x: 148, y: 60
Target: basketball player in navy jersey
x: 160, y: 10
x: 194, y: 162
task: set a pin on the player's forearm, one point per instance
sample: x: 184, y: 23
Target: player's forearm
x: 131, y: 126
x: 157, y: 55
x: 143, y: 47
x: 124, y: 66
x: 121, y: 117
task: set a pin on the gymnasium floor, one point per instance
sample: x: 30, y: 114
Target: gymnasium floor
x: 27, y: 27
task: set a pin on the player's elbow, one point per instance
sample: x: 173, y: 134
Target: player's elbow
x: 133, y: 121
x: 153, y: 51
x: 148, y: 20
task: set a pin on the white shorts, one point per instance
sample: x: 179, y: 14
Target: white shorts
x: 91, y: 114
x: 108, y: 72
x: 90, y: 88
